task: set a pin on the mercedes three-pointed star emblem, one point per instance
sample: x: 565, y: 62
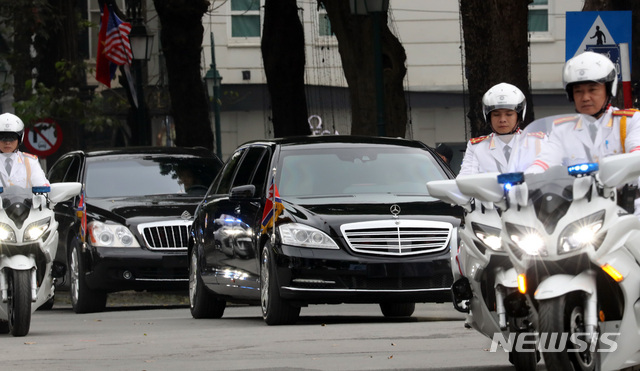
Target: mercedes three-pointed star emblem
x: 395, y: 209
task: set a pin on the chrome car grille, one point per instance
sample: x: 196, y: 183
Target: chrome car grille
x: 166, y: 235
x: 397, y: 237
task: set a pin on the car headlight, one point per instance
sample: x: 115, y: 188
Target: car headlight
x: 527, y: 239
x: 35, y: 230
x: 489, y: 236
x: 301, y: 235
x: 582, y: 233
x: 6, y: 233
x: 112, y: 235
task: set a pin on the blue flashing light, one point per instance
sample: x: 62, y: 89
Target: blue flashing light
x: 507, y: 186
x: 43, y: 189
x: 582, y: 169
x: 1, y: 189
x: 511, y: 179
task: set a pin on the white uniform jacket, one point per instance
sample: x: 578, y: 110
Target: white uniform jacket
x: 570, y: 142
x: 485, y: 154
x: 23, y: 164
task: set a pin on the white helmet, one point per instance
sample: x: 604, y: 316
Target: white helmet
x: 589, y: 67
x: 505, y: 96
x: 10, y: 123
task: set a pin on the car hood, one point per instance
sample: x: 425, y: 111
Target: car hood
x: 141, y: 209
x: 333, y: 211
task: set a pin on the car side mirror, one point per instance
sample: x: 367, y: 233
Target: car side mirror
x: 243, y: 191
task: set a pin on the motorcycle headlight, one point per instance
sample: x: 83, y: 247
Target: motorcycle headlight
x: 301, y: 235
x: 582, y: 233
x: 489, y: 236
x: 35, y: 230
x: 112, y: 235
x: 6, y: 233
x: 527, y: 239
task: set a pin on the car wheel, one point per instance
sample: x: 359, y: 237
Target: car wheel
x: 202, y: 302
x: 397, y: 309
x: 83, y: 299
x: 275, y: 310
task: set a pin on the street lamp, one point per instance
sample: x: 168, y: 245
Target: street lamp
x: 141, y: 45
x: 213, y: 80
x: 375, y: 8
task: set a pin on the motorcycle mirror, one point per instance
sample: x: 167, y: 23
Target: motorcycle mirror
x: 64, y: 191
x: 447, y: 191
x: 619, y: 169
x: 484, y: 187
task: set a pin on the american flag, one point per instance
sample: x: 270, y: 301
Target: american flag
x: 117, y: 48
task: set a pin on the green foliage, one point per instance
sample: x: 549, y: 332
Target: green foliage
x: 70, y: 104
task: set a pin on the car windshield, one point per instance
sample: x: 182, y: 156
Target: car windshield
x: 356, y: 170
x: 148, y: 176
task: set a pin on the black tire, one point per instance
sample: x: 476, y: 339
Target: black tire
x: 565, y: 314
x: 202, y: 302
x: 4, y: 327
x: 19, y: 303
x: 397, y: 309
x: 83, y: 299
x: 525, y: 360
x: 275, y: 310
x: 48, y: 305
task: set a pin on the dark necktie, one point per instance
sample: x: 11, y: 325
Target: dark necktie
x: 507, y: 152
x: 7, y: 165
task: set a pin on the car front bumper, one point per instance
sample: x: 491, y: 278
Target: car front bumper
x: 314, y: 276
x: 119, y: 269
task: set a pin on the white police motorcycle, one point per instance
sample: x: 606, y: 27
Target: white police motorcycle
x: 28, y: 244
x: 485, y: 282
x: 577, y: 255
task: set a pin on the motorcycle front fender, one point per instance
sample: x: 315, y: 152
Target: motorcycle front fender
x: 506, y: 278
x: 17, y: 262
x: 561, y: 284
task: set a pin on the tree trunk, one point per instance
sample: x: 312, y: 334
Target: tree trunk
x: 634, y: 48
x: 356, y: 45
x: 496, y: 50
x: 181, y: 39
x: 60, y: 44
x: 283, y: 55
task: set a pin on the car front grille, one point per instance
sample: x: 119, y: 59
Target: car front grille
x: 170, y: 235
x: 397, y: 237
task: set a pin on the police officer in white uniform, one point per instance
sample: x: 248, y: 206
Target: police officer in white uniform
x: 590, y: 81
x: 17, y: 168
x: 507, y: 149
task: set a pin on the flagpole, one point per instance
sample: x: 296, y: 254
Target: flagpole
x: 273, y: 205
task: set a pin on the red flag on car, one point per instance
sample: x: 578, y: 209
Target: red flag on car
x: 114, y: 48
x: 273, y: 207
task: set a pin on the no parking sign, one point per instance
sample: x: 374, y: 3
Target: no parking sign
x: 43, y: 138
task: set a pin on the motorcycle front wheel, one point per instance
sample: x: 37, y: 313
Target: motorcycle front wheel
x: 559, y: 319
x: 19, y: 303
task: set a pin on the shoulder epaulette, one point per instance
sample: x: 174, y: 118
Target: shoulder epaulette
x: 537, y: 134
x: 30, y: 155
x: 625, y: 112
x: 564, y: 120
x: 478, y: 139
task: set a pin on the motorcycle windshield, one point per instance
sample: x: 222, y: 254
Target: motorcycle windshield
x: 15, y: 194
x: 551, y: 192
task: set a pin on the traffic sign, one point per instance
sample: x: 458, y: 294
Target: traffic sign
x: 43, y: 138
x: 596, y: 29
